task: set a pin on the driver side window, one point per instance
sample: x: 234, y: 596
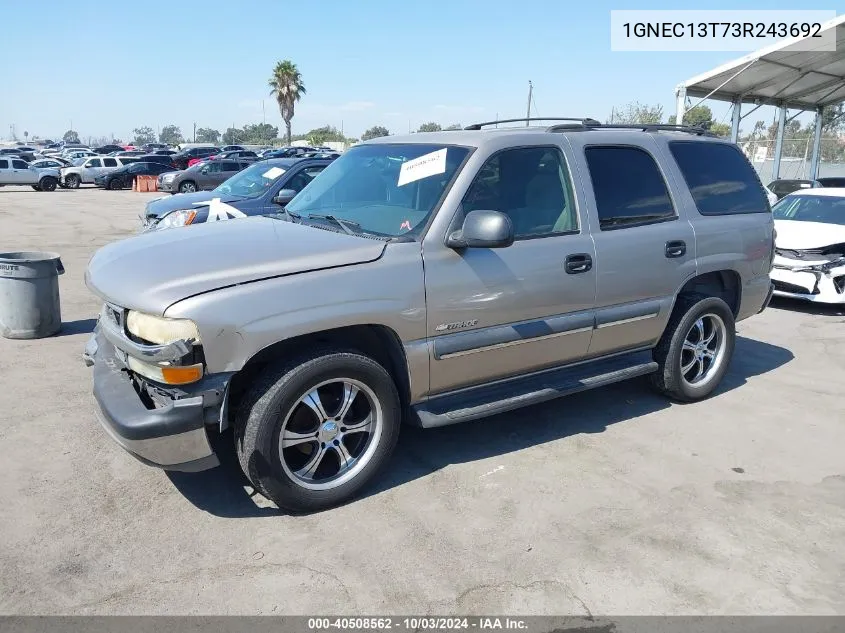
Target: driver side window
x: 531, y: 185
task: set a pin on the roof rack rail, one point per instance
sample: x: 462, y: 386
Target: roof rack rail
x: 645, y: 127
x: 581, y: 120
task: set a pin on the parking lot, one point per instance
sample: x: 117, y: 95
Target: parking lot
x: 609, y: 502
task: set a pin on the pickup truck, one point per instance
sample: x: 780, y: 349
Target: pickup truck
x: 87, y: 172
x: 15, y: 171
x: 429, y: 279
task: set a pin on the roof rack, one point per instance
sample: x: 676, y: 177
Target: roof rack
x: 589, y: 124
x: 581, y: 120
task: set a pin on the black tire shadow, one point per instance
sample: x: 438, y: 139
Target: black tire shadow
x: 807, y: 307
x: 80, y: 326
x: 420, y: 452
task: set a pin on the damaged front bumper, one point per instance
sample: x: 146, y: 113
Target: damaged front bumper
x: 821, y: 282
x: 166, y: 427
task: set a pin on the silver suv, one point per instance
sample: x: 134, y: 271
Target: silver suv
x: 429, y: 279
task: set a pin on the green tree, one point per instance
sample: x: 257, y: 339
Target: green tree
x: 70, y: 137
x: 375, y: 132
x: 430, y: 127
x: 171, y: 134
x: 208, y: 135
x: 635, y: 113
x: 260, y: 133
x: 233, y: 136
x: 287, y: 86
x: 143, y: 135
x: 324, y: 134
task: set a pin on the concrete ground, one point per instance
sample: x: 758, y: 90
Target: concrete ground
x: 609, y: 502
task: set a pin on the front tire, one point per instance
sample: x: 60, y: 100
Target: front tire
x: 47, y: 183
x: 695, y: 350
x: 187, y: 187
x: 72, y: 181
x: 314, y: 430
x: 36, y: 187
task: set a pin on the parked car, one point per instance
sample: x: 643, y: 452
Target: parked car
x: 263, y: 187
x: 331, y: 155
x: 16, y: 171
x: 231, y: 148
x: 286, y: 152
x: 164, y: 159
x: 86, y: 172
x: 123, y: 177
x: 810, y: 245
x: 435, y: 278
x: 181, y: 160
x: 784, y: 187
x: 77, y: 153
x: 832, y: 181
x: 50, y: 163
x: 165, y: 152
x: 108, y: 149
x: 200, y: 177
x: 151, y: 148
x: 236, y: 154
x: 129, y: 152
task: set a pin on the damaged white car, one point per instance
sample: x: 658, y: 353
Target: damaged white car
x: 810, y: 246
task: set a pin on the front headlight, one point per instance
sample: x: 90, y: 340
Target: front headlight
x: 160, y: 330
x: 168, y: 177
x: 173, y: 219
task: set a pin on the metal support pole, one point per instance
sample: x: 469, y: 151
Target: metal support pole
x: 817, y: 145
x: 779, y: 141
x: 735, y: 118
x: 680, y: 103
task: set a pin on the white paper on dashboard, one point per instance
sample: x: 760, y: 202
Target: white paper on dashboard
x: 422, y: 167
x: 273, y: 172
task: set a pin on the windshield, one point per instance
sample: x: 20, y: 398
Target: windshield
x: 252, y: 181
x: 825, y: 209
x: 386, y: 189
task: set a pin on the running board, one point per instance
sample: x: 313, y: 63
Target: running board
x: 507, y: 395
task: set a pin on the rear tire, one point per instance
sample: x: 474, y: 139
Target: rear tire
x: 695, y: 350
x: 335, y: 444
x: 47, y: 183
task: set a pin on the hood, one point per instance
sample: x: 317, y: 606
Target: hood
x: 152, y: 271
x: 164, y: 205
x: 797, y: 235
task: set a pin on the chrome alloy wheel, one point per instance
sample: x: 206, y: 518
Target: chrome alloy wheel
x: 330, y: 434
x: 703, y: 351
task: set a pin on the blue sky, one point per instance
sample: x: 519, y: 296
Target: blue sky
x: 111, y: 66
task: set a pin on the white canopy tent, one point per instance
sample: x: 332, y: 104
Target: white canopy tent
x: 778, y: 75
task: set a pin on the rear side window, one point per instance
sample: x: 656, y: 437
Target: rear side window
x: 19, y: 164
x: 109, y: 162
x: 629, y: 188
x: 719, y: 177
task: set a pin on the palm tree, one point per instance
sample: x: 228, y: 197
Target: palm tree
x: 286, y: 85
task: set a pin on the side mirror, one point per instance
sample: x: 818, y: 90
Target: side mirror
x: 483, y: 229
x: 284, y: 196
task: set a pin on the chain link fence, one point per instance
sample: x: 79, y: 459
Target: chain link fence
x: 797, y: 157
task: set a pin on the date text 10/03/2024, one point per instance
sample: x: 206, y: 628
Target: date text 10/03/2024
x: 416, y: 623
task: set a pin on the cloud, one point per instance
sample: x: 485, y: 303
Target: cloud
x: 356, y: 106
x: 459, y: 109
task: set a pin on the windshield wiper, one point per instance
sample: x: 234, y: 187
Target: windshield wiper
x: 344, y: 224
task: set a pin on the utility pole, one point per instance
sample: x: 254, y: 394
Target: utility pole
x: 195, y: 131
x: 530, y: 90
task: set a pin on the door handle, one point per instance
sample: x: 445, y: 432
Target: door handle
x: 676, y: 248
x: 578, y: 263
